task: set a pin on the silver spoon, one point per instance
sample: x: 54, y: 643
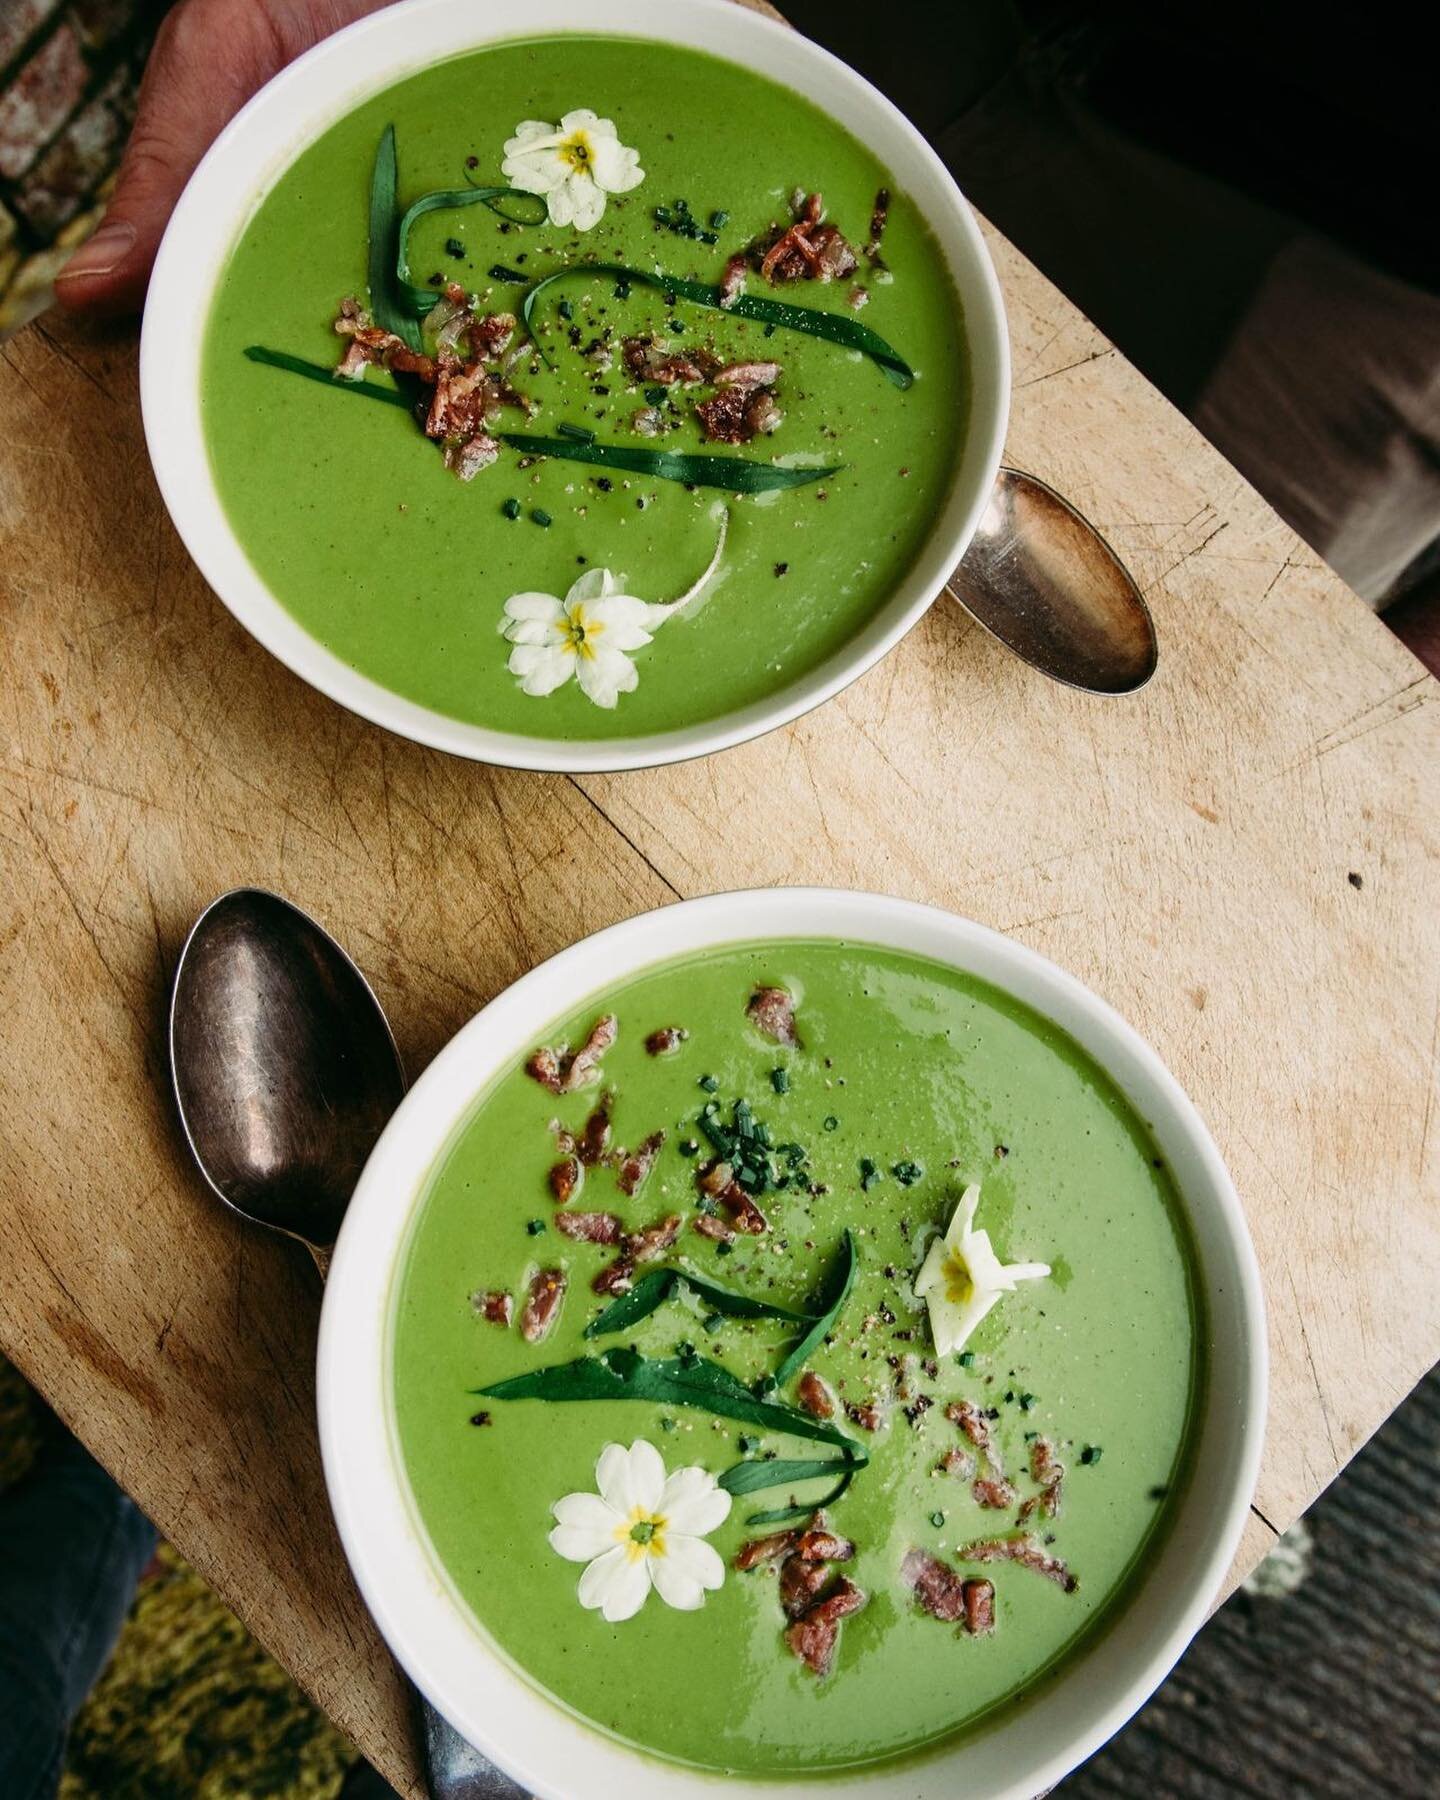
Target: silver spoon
x: 285, y: 1073
x: 1040, y: 577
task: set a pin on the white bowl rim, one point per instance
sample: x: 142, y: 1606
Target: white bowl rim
x: 551, y: 1752
x: 373, y: 53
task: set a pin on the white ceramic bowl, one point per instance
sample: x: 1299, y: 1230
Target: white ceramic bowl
x: 545, y: 1748
x: 298, y: 105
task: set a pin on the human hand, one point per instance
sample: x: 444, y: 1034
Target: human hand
x: 209, y: 57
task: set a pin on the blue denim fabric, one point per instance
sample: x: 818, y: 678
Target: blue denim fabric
x: 72, y: 1547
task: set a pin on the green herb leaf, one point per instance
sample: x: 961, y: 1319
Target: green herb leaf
x: 654, y: 1288
x: 783, y: 1515
x: 624, y: 1374
x: 387, y: 300
x: 419, y: 300
x: 736, y: 474
x: 836, y: 328
x: 297, y: 365
x: 755, y: 1473
x: 838, y: 1284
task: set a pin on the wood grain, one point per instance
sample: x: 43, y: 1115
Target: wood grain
x: 1190, y: 853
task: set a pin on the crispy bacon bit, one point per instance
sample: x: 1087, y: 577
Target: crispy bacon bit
x: 772, y: 1012
x: 666, y: 1041
x: 808, y: 250
x: 632, y: 1166
x: 857, y: 297
x: 594, y: 1142
x: 647, y: 421
x: 957, y: 1462
x: 993, y: 1492
x: 711, y: 1227
x: 801, y: 1583
x: 879, y: 214
x: 968, y: 1416
x: 655, y: 1240
x: 812, y: 1636
x: 369, y: 344
x: 866, y: 1414
x: 937, y: 1587
x: 617, y: 1277
x: 737, y: 415
x: 748, y: 375
x: 815, y: 1396
x: 542, y: 1304
x: 820, y: 1544
x: 590, y: 1227
x: 496, y: 1308
x: 651, y: 361
x: 765, y: 1549
x: 1049, y: 1471
x: 732, y: 282
x: 717, y: 1179
x: 565, y: 1178
x: 979, y: 1606
x: 562, y: 1071
x: 1024, y: 1550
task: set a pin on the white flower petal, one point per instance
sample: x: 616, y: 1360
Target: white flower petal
x: 951, y: 1321
x: 631, y: 1478
x: 986, y: 1270
x: 1026, y: 1271
x: 675, y: 1585
x: 583, y: 119
x: 615, y: 168
x: 692, y: 1556
x: 534, y: 606
x: 587, y: 1512
x: 618, y: 1584
x: 534, y: 631
x: 587, y: 201
x: 932, y: 1270
x: 581, y: 1543
x: 561, y: 202
x: 594, y: 584
x: 964, y: 1219
x: 693, y: 1503
x: 604, y: 675
x: 535, y: 173
x: 529, y: 132
x: 542, y: 668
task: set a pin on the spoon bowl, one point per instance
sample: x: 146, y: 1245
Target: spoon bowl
x: 1040, y: 577
x: 284, y: 1068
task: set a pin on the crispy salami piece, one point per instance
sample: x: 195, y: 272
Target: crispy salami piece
x: 370, y: 344
x: 993, y: 1492
x: 654, y: 1240
x: 1049, y: 1471
x: 772, y: 1013
x: 717, y: 1179
x: 979, y: 1606
x: 807, y: 249
x: 748, y: 375
x: 1024, y: 1550
x: 561, y: 1070
x: 801, y: 1583
x: 738, y: 415
x: 617, y: 1277
x: 879, y: 215
x: 812, y: 1637
x: 957, y: 1462
x: 972, y: 1421
x: 651, y: 360
x: 864, y: 1413
x: 632, y: 1166
x: 732, y: 282
x: 496, y: 1308
x: 666, y: 1041
x: 937, y: 1587
x: 765, y: 1549
x: 711, y: 1227
x: 542, y: 1304
x: 565, y: 1178
x: 820, y: 1544
x: 815, y: 1396
x: 590, y: 1227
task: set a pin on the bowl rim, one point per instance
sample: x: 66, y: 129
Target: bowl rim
x: 374, y: 53
x: 540, y: 1743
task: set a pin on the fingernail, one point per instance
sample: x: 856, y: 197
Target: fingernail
x: 99, y: 254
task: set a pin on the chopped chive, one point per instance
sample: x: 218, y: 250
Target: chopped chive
x: 780, y: 1080
x: 667, y: 1424
x: 709, y: 1083
x: 511, y: 508
x: 869, y: 1174
x: 709, y: 237
x: 541, y: 517
x: 1091, y: 1453
x: 675, y: 324
x: 937, y: 1519
x: 688, y: 1147
x: 565, y: 310
x: 724, y: 1249
x: 713, y: 1321
x: 580, y: 433
x: 907, y: 1173
x: 719, y: 218
x: 453, y: 247
x: 535, y: 1227
x: 622, y: 289
x: 662, y: 215
x: 965, y: 1358
x: 500, y: 272
x: 832, y: 1123
x: 1027, y: 1401
x: 655, y: 396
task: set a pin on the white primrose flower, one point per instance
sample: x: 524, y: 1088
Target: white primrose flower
x: 961, y: 1277
x: 642, y: 1530
x: 574, y: 164
x: 590, y: 634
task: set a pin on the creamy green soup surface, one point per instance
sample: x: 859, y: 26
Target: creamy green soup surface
x: 910, y: 1082
x: 348, y: 511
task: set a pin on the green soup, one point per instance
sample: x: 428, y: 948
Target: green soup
x: 910, y: 1081
x: 348, y: 513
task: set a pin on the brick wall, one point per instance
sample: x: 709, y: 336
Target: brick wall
x: 69, y: 74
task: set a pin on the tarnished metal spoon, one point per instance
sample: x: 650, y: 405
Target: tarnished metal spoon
x: 1040, y: 577
x: 285, y: 1073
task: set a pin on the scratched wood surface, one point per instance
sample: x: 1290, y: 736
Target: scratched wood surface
x: 1244, y: 859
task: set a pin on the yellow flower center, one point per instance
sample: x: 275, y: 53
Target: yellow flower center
x: 959, y: 1283
x: 576, y: 151
x: 642, y: 1534
x: 581, y: 631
